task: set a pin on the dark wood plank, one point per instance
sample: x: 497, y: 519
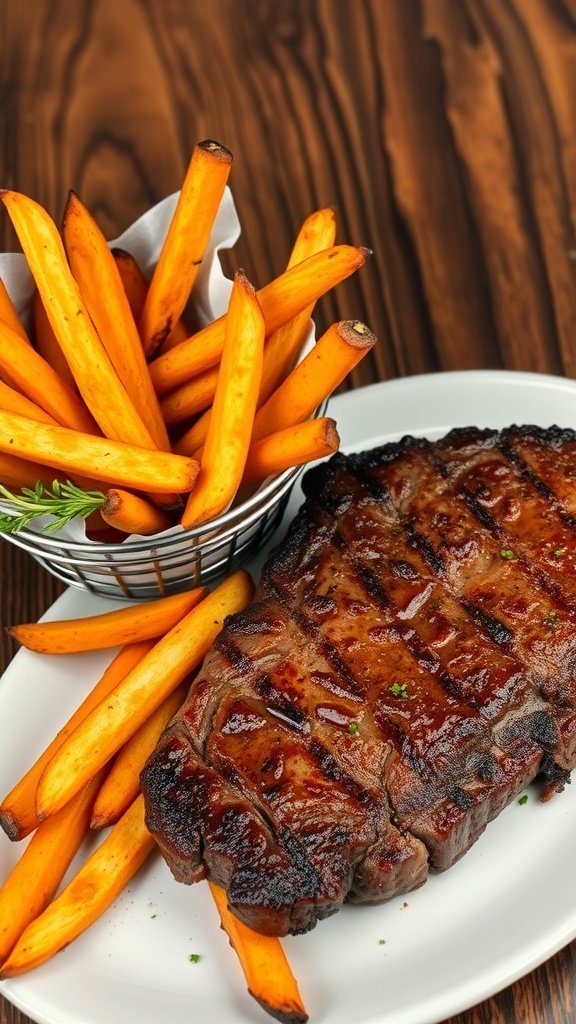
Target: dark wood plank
x: 443, y: 133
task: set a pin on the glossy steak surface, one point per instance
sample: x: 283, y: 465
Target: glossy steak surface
x: 407, y: 667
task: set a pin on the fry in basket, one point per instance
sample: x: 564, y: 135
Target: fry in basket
x: 47, y: 344
x: 294, y: 446
x: 9, y: 315
x: 131, y: 514
x: 185, y: 243
x: 282, y: 347
x: 18, y: 809
x: 228, y: 437
x: 136, y: 288
x: 191, y: 399
x: 337, y: 352
x: 36, y: 379
x: 113, y: 461
x: 100, y: 284
x: 93, y: 372
x: 267, y: 971
x: 36, y: 876
x: 16, y: 473
x: 14, y: 401
x: 133, y: 281
x: 122, y: 783
x: 144, y: 621
x: 115, y: 720
x: 281, y: 300
x: 88, y: 895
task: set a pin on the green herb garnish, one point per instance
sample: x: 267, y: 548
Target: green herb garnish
x: 194, y: 958
x: 523, y: 799
x: 353, y: 728
x: 507, y: 553
x: 551, y: 619
x: 381, y: 942
x: 399, y: 690
x: 65, y: 501
x: 559, y: 552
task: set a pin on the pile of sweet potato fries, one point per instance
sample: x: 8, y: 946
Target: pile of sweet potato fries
x: 113, y: 388
x: 116, y: 391
x: 88, y: 777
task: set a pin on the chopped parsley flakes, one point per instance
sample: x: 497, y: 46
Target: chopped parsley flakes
x: 194, y: 958
x: 353, y: 728
x: 399, y: 690
x: 523, y: 799
x: 507, y: 553
x: 559, y: 552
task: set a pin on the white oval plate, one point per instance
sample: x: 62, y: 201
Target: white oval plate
x: 506, y: 907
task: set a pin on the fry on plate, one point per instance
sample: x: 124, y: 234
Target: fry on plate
x: 18, y: 809
x: 36, y: 876
x: 267, y: 971
x: 122, y: 784
x: 8, y: 313
x: 87, y: 896
x: 105, y: 729
x: 230, y: 427
x: 145, y: 621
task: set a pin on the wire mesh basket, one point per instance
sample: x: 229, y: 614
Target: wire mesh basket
x: 154, y: 567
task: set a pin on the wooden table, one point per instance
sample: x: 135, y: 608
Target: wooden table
x: 442, y: 131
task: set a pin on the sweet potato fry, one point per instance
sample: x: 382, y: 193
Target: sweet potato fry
x: 122, y: 783
x: 336, y: 353
x: 16, y: 473
x: 93, y: 372
x: 36, y: 876
x: 101, y: 734
x: 281, y: 300
x: 9, y: 315
x: 185, y: 243
x: 14, y: 401
x: 228, y: 437
x: 47, y: 344
x: 267, y: 971
x: 133, y: 281
x: 136, y: 288
x: 130, y: 514
x: 36, y: 379
x: 117, y: 463
x: 88, y: 895
x: 100, y: 285
x: 295, y: 446
x: 18, y: 809
x: 96, y: 632
x: 188, y: 401
x: 178, y: 334
x: 282, y: 347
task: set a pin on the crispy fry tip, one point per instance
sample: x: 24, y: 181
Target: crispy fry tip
x: 216, y: 149
x: 241, y: 278
x: 10, y: 826
x: 356, y: 334
x: 331, y: 435
x: 288, y: 1016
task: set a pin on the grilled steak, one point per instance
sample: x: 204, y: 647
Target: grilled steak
x: 407, y: 667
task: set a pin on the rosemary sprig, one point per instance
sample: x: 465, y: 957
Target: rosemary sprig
x: 64, y: 502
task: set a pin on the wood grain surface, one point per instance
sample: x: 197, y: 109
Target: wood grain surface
x: 442, y: 131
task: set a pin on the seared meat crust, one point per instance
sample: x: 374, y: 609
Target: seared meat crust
x: 407, y: 667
